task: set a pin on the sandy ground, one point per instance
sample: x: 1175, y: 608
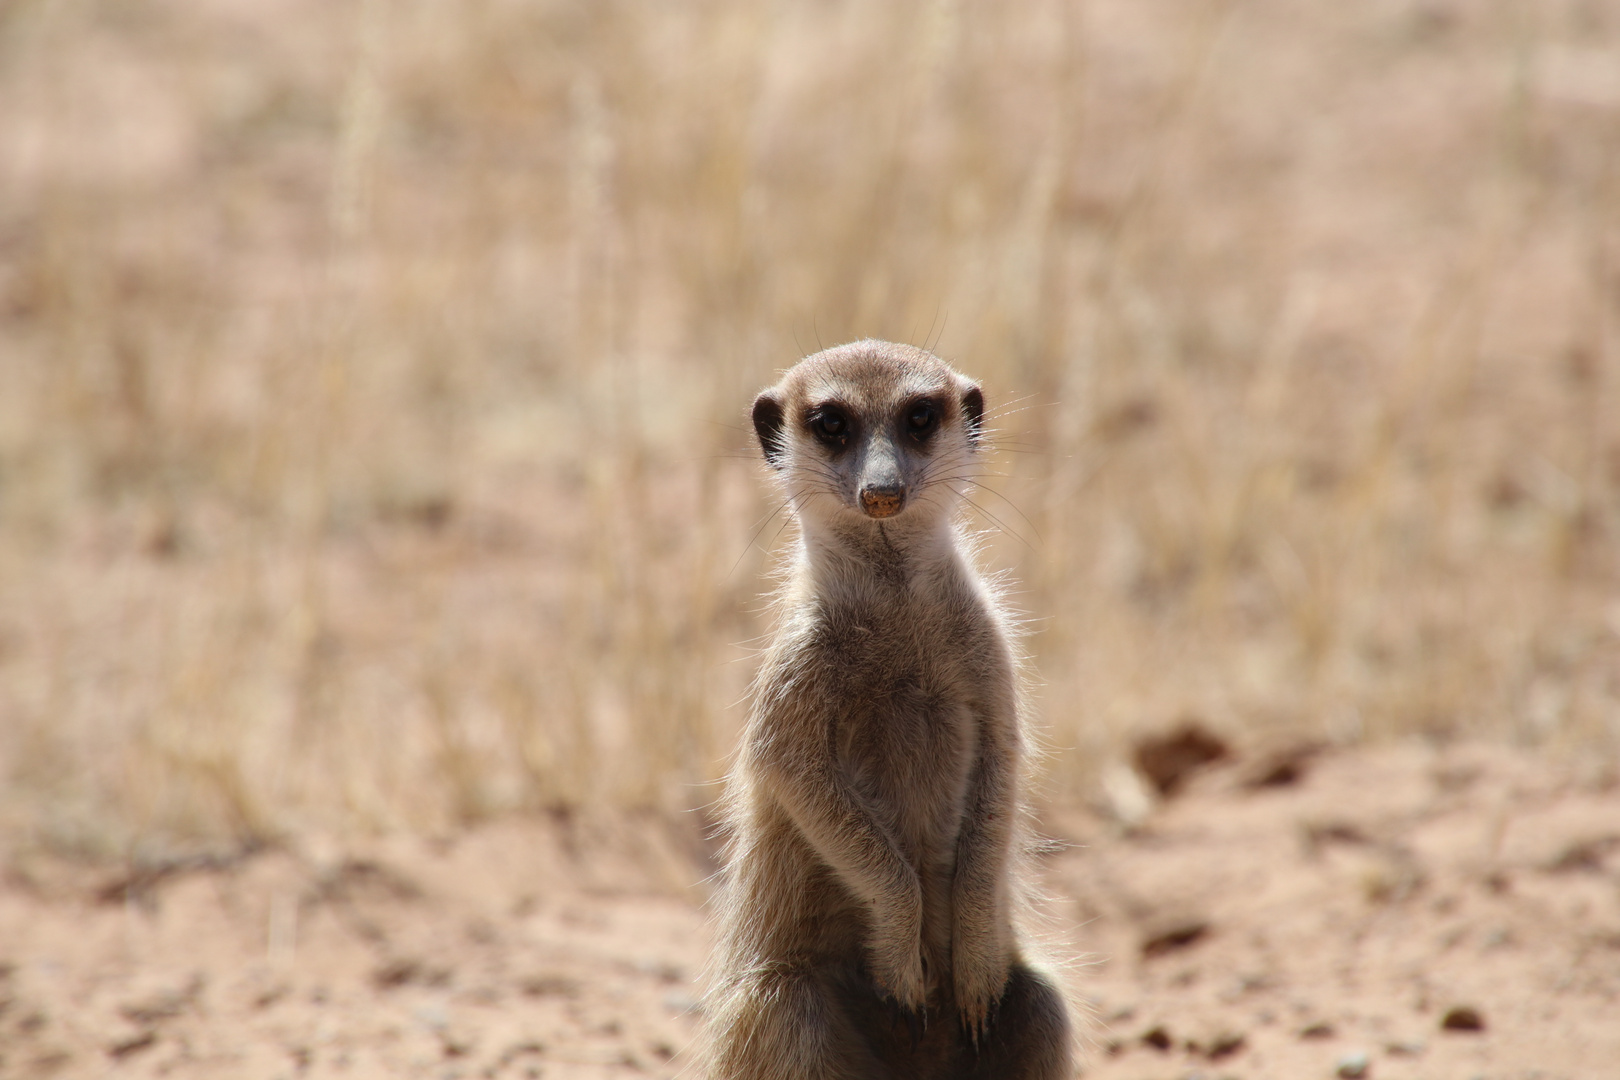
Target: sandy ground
x: 1327, y: 922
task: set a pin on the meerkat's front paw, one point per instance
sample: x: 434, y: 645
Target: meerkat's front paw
x: 979, y: 985
x: 902, y: 976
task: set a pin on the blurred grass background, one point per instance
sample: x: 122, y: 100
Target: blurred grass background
x: 373, y: 378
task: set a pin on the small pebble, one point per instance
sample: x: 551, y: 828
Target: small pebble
x: 1225, y: 1044
x: 433, y: 1017
x: 1462, y: 1018
x: 1354, y: 1066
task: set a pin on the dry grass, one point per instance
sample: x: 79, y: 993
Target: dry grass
x: 372, y: 377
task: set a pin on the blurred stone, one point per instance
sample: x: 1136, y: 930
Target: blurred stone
x: 1316, y: 835
x: 1129, y: 799
x: 1584, y: 855
x: 133, y: 1045
x: 1222, y: 1044
x: 1282, y: 767
x: 1354, y: 1066
x: 164, y: 1005
x: 1167, y: 760
x: 1391, y: 876
x: 398, y: 972
x: 550, y: 985
x: 1174, y: 934
x: 1462, y: 1018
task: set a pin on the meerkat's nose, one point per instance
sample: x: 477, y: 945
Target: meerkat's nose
x: 883, y: 500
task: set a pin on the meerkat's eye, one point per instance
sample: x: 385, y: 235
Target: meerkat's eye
x: 830, y: 425
x: 922, y: 418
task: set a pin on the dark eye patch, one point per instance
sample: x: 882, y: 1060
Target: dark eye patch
x: 920, y: 418
x: 830, y: 424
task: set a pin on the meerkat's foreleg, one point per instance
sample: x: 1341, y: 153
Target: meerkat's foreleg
x: 848, y: 838
x: 981, y: 945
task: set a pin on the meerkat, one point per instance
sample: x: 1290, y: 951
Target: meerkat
x: 866, y: 910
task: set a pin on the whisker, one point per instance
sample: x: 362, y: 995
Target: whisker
x: 787, y: 521
x: 1001, y: 525
x: 1012, y: 505
x: 942, y: 324
x: 999, y: 440
x: 1006, y: 408
x: 823, y: 473
x: 974, y: 478
x: 764, y: 521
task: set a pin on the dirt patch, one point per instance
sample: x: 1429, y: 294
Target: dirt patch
x: 1402, y: 912
x: 1389, y: 913
x: 496, y: 953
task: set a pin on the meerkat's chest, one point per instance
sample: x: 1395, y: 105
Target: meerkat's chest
x: 910, y: 730
x: 908, y: 734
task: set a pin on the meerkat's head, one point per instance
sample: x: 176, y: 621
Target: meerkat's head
x: 885, y: 432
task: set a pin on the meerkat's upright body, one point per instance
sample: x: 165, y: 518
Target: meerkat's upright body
x: 866, y: 912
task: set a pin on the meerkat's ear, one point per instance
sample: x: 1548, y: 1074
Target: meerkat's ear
x: 768, y: 426
x: 973, y: 413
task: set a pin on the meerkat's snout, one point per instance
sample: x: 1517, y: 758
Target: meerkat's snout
x: 883, y: 500
x: 881, y: 490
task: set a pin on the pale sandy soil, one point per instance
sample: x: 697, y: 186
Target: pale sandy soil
x: 1251, y: 931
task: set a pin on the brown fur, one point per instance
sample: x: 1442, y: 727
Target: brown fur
x: 866, y: 913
